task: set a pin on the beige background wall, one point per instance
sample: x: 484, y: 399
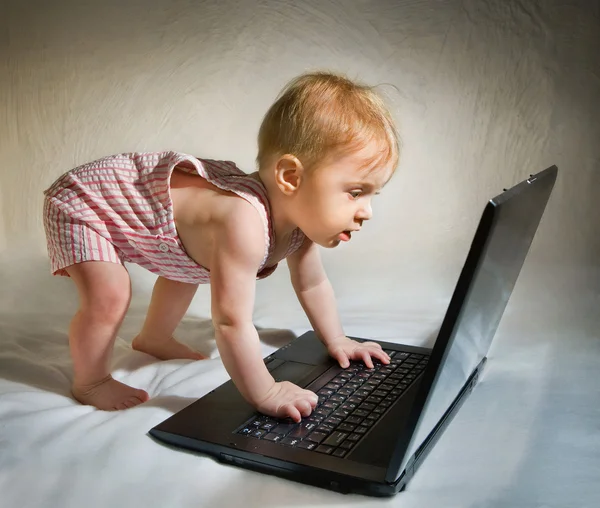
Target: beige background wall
x: 488, y: 92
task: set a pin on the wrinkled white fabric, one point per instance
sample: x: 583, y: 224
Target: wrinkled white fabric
x: 487, y: 93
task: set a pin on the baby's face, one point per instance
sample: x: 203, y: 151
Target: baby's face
x: 335, y: 199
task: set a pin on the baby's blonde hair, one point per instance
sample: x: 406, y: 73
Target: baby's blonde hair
x: 320, y: 112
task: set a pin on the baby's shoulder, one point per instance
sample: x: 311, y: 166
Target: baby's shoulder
x: 234, y: 213
x: 238, y: 229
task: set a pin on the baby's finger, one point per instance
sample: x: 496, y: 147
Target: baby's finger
x: 291, y: 411
x: 381, y: 355
x: 366, y: 358
x: 304, y: 407
x: 342, y: 358
x: 312, y: 397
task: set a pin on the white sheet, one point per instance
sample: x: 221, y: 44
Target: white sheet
x: 528, y: 436
x: 488, y: 91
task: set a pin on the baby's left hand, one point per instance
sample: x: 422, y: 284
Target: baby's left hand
x: 345, y: 349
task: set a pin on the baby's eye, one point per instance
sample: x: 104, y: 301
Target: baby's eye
x: 355, y: 194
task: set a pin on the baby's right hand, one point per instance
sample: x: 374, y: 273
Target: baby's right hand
x: 285, y: 399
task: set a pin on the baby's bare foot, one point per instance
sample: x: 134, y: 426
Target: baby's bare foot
x: 168, y: 349
x: 109, y: 395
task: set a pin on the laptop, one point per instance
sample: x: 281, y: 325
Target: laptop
x: 373, y: 428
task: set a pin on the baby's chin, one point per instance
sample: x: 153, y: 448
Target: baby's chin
x: 330, y: 244
x: 327, y: 243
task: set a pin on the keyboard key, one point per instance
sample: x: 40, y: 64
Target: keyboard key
x: 337, y: 398
x: 367, y: 406
x: 354, y: 437
x: 342, y: 413
x: 354, y: 419
x: 349, y: 406
x: 361, y: 430
x: 246, y: 431
x: 289, y: 441
x: 345, y: 391
x: 346, y: 427
x: 308, y: 445
x: 324, y: 392
x: 303, y: 430
x: 326, y: 428
x: 323, y: 411
x: 284, y: 428
x: 333, y: 420
x: 271, y: 436
x: 333, y: 386
x: 336, y: 438
x: 355, y: 399
x: 360, y: 412
x: 340, y: 452
x: 325, y: 449
x: 316, y: 437
x: 368, y: 422
x: 258, y: 433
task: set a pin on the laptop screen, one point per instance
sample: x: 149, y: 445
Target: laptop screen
x: 495, y: 266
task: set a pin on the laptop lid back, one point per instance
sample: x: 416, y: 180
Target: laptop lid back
x: 498, y: 250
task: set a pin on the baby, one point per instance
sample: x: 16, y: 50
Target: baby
x: 325, y: 148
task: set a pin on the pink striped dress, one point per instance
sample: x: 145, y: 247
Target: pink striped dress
x: 119, y: 209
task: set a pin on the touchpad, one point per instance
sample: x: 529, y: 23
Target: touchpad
x: 297, y: 373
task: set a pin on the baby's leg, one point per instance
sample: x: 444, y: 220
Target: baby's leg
x: 170, y: 301
x: 104, y: 296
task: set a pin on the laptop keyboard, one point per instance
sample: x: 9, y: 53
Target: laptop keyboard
x: 349, y: 405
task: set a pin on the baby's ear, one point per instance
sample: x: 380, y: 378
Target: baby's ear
x: 288, y: 173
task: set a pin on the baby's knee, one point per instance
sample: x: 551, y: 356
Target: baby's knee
x: 108, y: 306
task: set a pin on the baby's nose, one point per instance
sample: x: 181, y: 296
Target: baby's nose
x: 365, y: 213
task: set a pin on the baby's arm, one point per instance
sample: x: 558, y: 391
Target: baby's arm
x: 238, y: 249
x: 317, y: 298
